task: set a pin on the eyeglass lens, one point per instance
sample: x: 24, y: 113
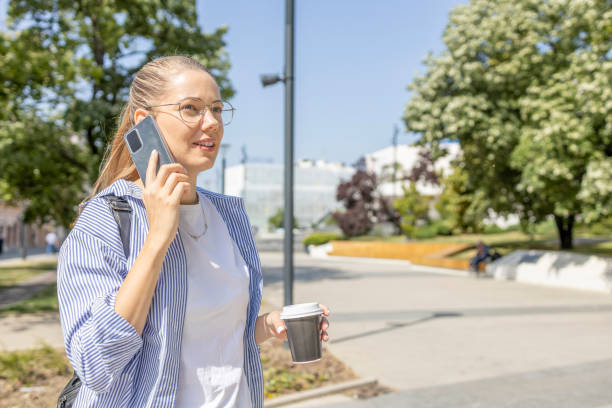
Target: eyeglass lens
x: 192, y: 109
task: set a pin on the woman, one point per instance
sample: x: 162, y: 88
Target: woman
x: 175, y: 322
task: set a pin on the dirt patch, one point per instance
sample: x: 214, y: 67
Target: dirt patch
x: 276, y: 362
x: 33, y: 378
x: 43, y: 393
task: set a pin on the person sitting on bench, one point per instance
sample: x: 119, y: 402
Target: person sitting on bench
x: 482, y: 254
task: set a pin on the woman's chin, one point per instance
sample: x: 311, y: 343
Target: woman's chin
x: 204, y: 165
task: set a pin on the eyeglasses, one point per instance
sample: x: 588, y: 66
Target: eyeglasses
x: 192, y: 110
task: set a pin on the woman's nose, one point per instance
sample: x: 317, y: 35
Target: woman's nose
x: 209, y: 121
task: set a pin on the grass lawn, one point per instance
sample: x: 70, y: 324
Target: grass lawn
x: 11, y: 275
x: 43, y: 301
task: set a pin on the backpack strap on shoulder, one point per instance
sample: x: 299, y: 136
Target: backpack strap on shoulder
x: 122, y: 213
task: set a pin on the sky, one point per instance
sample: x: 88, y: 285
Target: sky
x: 353, y: 62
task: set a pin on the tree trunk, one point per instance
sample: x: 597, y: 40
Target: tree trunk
x: 565, y: 226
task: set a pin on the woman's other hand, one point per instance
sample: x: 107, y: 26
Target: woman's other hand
x: 275, y: 326
x: 162, y: 197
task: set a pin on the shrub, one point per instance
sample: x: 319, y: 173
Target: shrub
x: 413, y: 208
x: 276, y: 220
x: 443, y: 228
x: 492, y: 229
x: 426, y: 231
x: 320, y: 238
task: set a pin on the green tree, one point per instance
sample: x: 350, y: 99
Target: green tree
x: 413, y: 208
x: 461, y: 206
x: 525, y: 87
x: 66, y: 70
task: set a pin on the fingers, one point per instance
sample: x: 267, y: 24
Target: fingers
x: 165, y: 182
x: 276, y: 325
x: 324, y: 323
x: 172, y: 181
x: 165, y: 171
x: 178, y: 191
x: 323, y: 326
x: 325, y: 309
x: 150, y: 173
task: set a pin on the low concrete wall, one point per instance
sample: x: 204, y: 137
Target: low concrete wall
x: 555, y: 268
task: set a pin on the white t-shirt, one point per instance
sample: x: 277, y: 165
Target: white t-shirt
x: 212, y: 352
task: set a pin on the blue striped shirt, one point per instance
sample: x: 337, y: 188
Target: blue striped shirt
x: 117, y: 366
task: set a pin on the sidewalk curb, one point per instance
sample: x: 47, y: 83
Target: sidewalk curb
x: 319, y: 392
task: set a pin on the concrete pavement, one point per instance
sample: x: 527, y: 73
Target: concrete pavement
x: 453, y: 341
x: 29, y: 330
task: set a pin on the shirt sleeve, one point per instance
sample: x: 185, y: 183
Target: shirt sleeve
x: 99, y: 342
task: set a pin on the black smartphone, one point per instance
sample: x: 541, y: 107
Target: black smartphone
x: 141, y: 140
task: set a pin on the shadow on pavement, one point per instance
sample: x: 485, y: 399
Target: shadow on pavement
x: 394, y: 326
x: 313, y: 273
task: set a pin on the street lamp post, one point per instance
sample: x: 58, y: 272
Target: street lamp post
x: 394, y: 141
x: 23, y: 241
x: 288, y: 79
x: 224, y: 147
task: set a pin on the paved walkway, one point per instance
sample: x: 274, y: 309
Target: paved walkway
x: 28, y: 330
x: 574, y: 386
x: 454, y: 341
x: 27, y: 289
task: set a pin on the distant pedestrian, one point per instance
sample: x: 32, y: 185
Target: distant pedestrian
x: 482, y: 254
x: 51, y: 239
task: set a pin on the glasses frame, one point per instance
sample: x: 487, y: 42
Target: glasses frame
x: 202, y: 111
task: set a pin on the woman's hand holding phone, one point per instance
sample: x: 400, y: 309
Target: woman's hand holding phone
x: 162, y: 197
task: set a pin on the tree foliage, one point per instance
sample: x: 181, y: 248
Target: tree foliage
x: 364, y: 205
x: 66, y: 69
x: 413, y: 208
x: 358, y: 195
x: 461, y: 205
x: 424, y: 169
x: 526, y: 87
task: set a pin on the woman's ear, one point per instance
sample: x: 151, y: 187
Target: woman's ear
x: 139, y: 115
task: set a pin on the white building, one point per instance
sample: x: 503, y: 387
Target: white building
x: 261, y: 187
x: 381, y: 163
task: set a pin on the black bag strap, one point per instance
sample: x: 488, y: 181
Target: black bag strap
x: 122, y: 211
x: 123, y: 215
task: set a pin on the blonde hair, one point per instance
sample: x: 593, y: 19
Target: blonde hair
x: 147, y: 87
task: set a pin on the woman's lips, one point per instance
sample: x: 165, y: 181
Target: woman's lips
x: 206, y: 146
